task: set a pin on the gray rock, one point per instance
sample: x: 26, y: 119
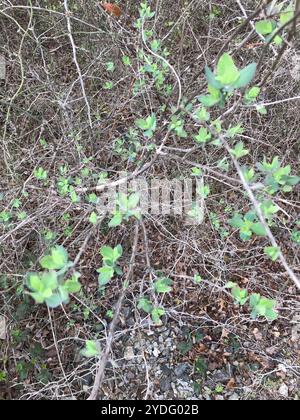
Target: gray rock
x: 182, y: 369
x: 220, y: 376
x: 165, y: 384
x: 169, y: 342
x: 156, y: 352
x: 87, y: 380
x: 130, y: 322
x: 130, y: 375
x: 136, y: 346
x: 184, y: 389
x: 2, y: 328
x: 166, y: 370
x: 234, y: 397
x: 129, y: 353
x: 127, y: 311
x: 284, y: 391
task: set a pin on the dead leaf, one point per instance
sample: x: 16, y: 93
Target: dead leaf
x: 257, y: 334
x: 231, y: 384
x: 222, y: 305
x: 112, y: 9
x: 201, y: 348
x: 272, y: 350
x: 2, y: 328
x: 225, y: 333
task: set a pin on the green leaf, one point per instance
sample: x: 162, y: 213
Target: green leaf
x: 93, y: 218
x: 110, y: 66
x: 214, y: 92
x: 209, y: 100
x: 230, y: 285
x: 264, y: 27
x: 204, y: 191
x: 72, y: 285
x: 212, y: 99
x: 272, y: 252
x: 163, y: 285
x: 35, y: 283
x: 92, y: 349
x: 107, y: 253
x: 57, y: 260
x: 56, y: 299
x: 38, y: 297
x: 41, y: 174
x: 105, y: 275
x: 74, y: 197
x: 156, y: 314
x: 148, y: 125
x: 155, y: 45
x: 254, y: 299
x: 246, y: 76
x: 223, y: 164
x: 227, y: 71
x: 239, y: 295
x: 203, y: 136
x: 142, y: 124
x: 145, y: 305
x: 218, y: 125
x: 202, y: 114
x: 239, y: 151
x: 126, y: 60
x: 123, y: 202
x: 5, y: 217
x: 271, y: 314
x: 237, y: 221
x: 292, y: 180
x: 262, y: 109
x: 259, y: 229
x: 249, y: 174
x: 116, y: 220
x: 234, y: 131
x: 118, y: 252
x: 278, y: 40
x: 251, y: 216
x: 47, y: 262
x: 43, y: 286
x: 197, y: 171
x: 286, y: 16
x: 252, y: 94
x: 108, y: 85
x: 133, y: 201
x: 50, y: 280
x: 211, y: 78
x: 246, y: 232
x: 263, y: 307
x: 269, y: 208
x: 198, y: 279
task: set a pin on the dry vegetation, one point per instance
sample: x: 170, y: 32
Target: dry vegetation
x: 62, y: 108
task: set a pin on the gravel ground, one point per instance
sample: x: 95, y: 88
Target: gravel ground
x: 149, y: 363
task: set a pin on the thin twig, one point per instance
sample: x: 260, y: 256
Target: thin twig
x: 281, y: 101
x: 6, y: 154
x: 74, y: 48
x: 274, y: 35
x: 57, y: 351
x: 166, y: 62
x: 130, y: 177
x: 261, y: 217
x: 104, y: 358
